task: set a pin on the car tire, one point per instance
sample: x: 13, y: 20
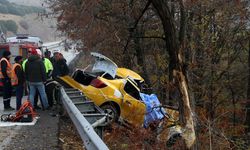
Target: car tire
x: 112, y: 113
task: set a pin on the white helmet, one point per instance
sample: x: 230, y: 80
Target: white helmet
x: 39, y: 52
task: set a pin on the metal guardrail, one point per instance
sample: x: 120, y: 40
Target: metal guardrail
x: 88, y: 135
x: 52, y: 45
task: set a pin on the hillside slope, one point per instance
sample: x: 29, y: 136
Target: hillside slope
x: 31, y: 23
x: 27, y: 2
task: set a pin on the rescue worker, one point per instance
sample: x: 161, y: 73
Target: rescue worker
x: 23, y: 65
x: 47, y: 63
x: 47, y: 54
x: 36, y: 76
x: 48, y: 67
x: 17, y: 80
x: 5, y: 76
x: 25, y: 60
x: 60, y: 66
x: 52, y: 59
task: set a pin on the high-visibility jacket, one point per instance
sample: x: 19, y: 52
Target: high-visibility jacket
x: 8, y: 69
x: 14, y: 78
x: 24, y: 63
x: 48, y: 65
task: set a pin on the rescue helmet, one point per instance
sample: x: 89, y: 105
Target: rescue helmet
x: 39, y: 52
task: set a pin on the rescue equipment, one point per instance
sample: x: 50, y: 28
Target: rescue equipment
x: 24, y: 114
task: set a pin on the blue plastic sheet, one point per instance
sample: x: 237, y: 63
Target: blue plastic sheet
x: 153, y: 111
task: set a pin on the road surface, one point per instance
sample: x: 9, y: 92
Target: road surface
x: 43, y: 134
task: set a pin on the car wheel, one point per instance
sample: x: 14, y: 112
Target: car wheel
x: 111, y: 112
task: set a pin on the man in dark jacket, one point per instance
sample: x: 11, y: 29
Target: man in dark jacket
x: 47, y: 54
x: 5, y: 76
x: 36, y: 76
x: 48, y: 68
x: 60, y: 66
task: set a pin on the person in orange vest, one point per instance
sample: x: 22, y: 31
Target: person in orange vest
x: 5, y: 76
x: 17, y: 80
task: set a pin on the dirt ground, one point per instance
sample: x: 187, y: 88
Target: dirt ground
x: 116, y: 137
x: 68, y: 135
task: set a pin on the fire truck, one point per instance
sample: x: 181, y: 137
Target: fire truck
x: 19, y: 45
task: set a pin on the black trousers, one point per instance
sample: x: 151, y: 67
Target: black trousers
x: 19, y: 96
x: 7, y: 90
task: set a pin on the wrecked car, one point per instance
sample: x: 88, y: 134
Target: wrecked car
x: 116, y: 90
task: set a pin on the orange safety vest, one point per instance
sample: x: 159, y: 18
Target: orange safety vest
x: 8, y: 69
x: 14, y: 79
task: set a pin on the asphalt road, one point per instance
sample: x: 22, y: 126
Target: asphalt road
x: 43, y: 135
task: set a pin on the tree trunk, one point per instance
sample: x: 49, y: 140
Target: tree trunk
x: 140, y: 54
x: 176, y: 69
x: 247, y: 121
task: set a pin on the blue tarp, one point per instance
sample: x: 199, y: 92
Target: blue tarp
x: 153, y: 112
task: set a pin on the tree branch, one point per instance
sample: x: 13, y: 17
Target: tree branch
x: 131, y: 30
x: 150, y: 37
x: 182, y: 22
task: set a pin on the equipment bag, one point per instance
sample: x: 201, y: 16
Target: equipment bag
x: 24, y: 114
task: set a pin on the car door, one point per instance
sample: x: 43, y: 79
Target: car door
x: 133, y: 109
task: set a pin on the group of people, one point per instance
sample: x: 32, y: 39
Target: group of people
x: 34, y: 71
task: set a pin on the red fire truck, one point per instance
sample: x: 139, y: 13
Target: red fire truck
x: 20, y: 45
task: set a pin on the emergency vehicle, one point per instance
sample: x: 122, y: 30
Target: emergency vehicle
x: 19, y: 45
